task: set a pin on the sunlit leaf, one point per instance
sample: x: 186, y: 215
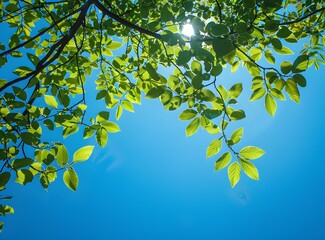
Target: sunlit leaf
x: 251, y: 152
x: 62, y: 156
x: 270, y: 104
x: 234, y: 173
x: 51, y: 101
x: 193, y: 127
x: 222, y: 161
x: 213, y: 148
x: 83, y: 154
x: 70, y: 178
x: 249, y: 169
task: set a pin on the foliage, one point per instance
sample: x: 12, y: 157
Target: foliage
x: 54, y: 47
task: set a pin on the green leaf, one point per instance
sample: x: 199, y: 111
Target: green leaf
x: 250, y: 169
x: 277, y: 93
x: 208, y: 96
x: 119, y: 112
x: 70, y: 178
x: 235, y: 90
x: 88, y: 132
x: 20, y: 93
x: 270, y: 104
x: 24, y: 176
x: 237, y: 115
x: 286, y: 67
x: 187, y: 114
x: 236, y: 136
x: 21, y: 162
x: 213, y: 148
x: 83, y: 154
x: 111, y: 127
x: 192, y: 127
x: 257, y: 94
x: 284, y: 50
x: 196, y: 67
x: 269, y: 56
x: 300, y: 80
x: 292, y: 89
x: 101, y: 137
x: 300, y: 64
x: 218, y: 30
x: 216, y: 70
x: 222, y: 161
x: 51, y: 101
x: 115, y: 45
x: 4, y: 179
x: 62, y: 156
x: 222, y: 47
x: 127, y: 105
x: 155, y: 92
x: 276, y: 43
x: 183, y: 57
x: 102, y: 117
x: 272, y: 25
x: 251, y: 152
x: 152, y: 72
x: 234, y: 173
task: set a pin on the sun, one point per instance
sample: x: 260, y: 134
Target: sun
x: 188, y: 29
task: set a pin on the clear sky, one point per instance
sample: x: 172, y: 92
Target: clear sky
x: 151, y: 182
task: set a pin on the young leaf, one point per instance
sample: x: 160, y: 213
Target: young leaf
x: 213, y: 148
x: 292, y: 89
x: 111, y: 127
x: 101, y: 137
x: 127, y: 105
x: 250, y: 169
x: 251, y: 152
x: 119, y: 112
x: 62, y: 156
x: 236, y: 136
x: 187, y: 114
x: 70, y: 179
x: 222, y: 161
x: 270, y: 104
x: 51, y: 101
x: 257, y: 94
x: 192, y: 127
x: 235, y: 90
x: 277, y: 93
x: 234, y: 173
x: 83, y: 154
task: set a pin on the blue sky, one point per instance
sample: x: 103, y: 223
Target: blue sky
x: 151, y: 182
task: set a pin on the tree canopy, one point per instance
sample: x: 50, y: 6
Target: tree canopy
x: 137, y: 49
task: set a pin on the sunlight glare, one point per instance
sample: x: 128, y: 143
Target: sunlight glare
x: 188, y: 29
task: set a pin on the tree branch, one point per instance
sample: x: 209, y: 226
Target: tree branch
x: 304, y: 17
x: 126, y: 23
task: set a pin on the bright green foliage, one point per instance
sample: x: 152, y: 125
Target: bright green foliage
x: 234, y: 171
x: 70, y: 179
x: 213, y: 148
x: 135, y: 49
x: 83, y: 154
x: 251, y: 152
